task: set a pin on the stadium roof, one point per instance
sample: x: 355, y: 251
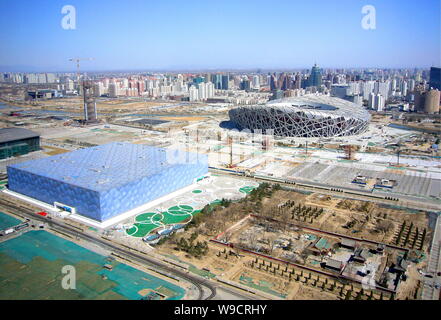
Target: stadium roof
x: 13, y: 134
x: 107, y: 166
x: 332, y: 106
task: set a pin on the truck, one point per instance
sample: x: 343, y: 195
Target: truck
x: 8, y: 231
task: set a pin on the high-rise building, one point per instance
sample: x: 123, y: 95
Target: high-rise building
x: 273, y: 82
x: 298, y: 81
x: 90, y: 114
x: 382, y: 88
x: 256, y: 82
x: 376, y: 102
x: 98, y: 89
x: 194, y: 93
x: 202, y: 91
x: 245, y: 85
x: 210, y: 89
x: 435, y: 78
x: 411, y: 85
x: 217, y: 80
x: 432, y: 101
x: 225, y: 82
x: 315, y: 78
x: 70, y: 85
x: 284, y: 82
x: 404, y: 88
x: 367, y: 88
x: 113, y: 90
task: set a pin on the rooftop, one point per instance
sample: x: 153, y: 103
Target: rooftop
x: 107, y: 166
x: 13, y: 134
x: 332, y: 106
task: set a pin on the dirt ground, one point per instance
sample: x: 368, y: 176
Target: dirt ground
x: 413, y: 283
x: 230, y: 264
x: 338, y: 215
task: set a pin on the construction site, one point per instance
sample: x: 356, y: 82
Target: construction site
x: 376, y: 191
x: 314, y: 246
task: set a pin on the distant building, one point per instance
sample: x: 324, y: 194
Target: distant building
x: 340, y: 90
x: 17, y: 141
x: 245, y: 85
x: 277, y: 94
x: 376, y: 102
x: 428, y: 101
x: 225, y: 82
x: 217, y: 80
x: 315, y: 78
x: 432, y: 101
x: 256, y: 82
x: 194, y: 93
x: 435, y: 78
x: 43, y: 94
x: 89, y: 108
x: 113, y: 90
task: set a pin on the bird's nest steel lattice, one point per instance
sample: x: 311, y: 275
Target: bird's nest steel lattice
x: 306, y: 116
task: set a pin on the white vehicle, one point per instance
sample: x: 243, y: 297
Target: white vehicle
x: 9, y: 231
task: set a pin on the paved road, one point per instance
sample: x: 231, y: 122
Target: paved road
x: 430, y: 292
x: 407, y: 201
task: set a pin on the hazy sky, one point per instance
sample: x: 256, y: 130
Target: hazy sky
x: 160, y: 34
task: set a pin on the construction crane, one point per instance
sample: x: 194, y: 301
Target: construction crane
x: 90, y: 114
x: 77, y: 61
x: 349, y: 151
x: 399, y: 145
x: 230, y: 143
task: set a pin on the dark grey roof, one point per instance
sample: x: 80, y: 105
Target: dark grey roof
x: 334, y: 263
x: 12, y: 134
x: 348, y: 242
x: 361, y: 253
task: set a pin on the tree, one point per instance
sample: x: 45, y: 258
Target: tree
x: 384, y: 226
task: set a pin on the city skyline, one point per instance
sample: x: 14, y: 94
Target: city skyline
x: 218, y: 36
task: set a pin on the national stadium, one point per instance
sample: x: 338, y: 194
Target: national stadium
x: 305, y: 116
x: 105, y: 182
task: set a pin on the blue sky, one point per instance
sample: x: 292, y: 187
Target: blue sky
x: 135, y: 34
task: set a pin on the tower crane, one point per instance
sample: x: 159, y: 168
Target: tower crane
x: 90, y: 113
x: 77, y: 61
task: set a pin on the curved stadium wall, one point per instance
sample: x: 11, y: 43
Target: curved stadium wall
x: 306, y: 116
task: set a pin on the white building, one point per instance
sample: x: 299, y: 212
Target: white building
x: 256, y: 82
x: 376, y: 102
x: 113, y: 90
x: 194, y: 93
x: 367, y: 88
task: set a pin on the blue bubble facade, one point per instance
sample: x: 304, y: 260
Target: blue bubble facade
x: 104, y: 181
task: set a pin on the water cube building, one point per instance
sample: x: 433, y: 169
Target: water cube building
x: 104, y: 181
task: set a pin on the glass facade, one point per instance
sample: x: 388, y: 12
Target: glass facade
x: 105, y: 181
